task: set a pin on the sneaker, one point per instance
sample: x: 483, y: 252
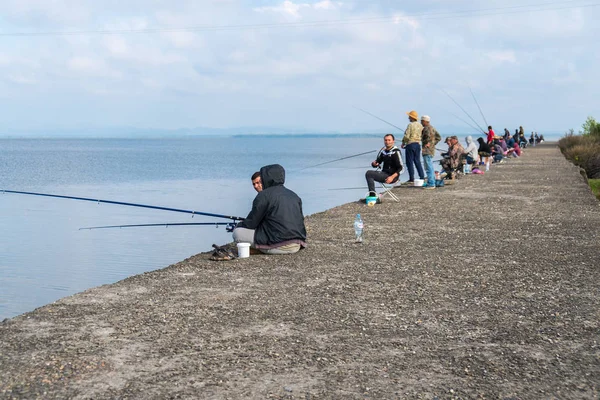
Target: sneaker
x: 408, y: 183
x: 426, y: 187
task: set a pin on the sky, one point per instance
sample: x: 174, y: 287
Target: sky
x: 297, y: 65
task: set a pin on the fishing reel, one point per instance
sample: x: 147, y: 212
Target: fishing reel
x: 230, y: 226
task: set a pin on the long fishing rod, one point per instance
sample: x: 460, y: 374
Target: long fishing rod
x: 339, y: 159
x: 481, y: 112
x: 229, y: 225
x: 465, y: 111
x: 120, y: 203
x: 468, y: 123
x: 381, y: 119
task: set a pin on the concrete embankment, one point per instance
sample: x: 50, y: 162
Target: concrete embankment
x: 485, y: 288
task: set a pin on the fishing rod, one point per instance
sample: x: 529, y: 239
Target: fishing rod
x: 228, y: 225
x: 465, y: 111
x: 476, y: 102
x: 467, y: 122
x: 120, y: 203
x: 339, y: 159
x: 383, y: 120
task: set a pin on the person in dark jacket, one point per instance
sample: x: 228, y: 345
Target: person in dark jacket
x: 275, y: 225
x: 390, y: 161
x: 484, y: 150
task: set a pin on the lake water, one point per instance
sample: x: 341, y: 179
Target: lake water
x: 43, y: 254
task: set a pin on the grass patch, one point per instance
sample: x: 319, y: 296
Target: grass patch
x: 595, y: 185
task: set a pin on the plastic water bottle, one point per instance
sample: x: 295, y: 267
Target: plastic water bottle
x: 358, y: 228
x: 487, y: 165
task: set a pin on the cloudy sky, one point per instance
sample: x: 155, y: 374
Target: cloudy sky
x: 296, y: 64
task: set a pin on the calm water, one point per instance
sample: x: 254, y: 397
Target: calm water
x: 43, y: 254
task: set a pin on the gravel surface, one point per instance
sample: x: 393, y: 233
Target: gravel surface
x: 484, y: 289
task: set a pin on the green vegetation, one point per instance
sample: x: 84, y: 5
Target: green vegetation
x: 595, y: 185
x: 583, y: 150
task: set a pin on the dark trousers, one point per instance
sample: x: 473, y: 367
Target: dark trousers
x: 375, y: 176
x: 413, y: 159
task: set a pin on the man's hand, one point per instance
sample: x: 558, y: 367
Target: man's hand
x: 375, y: 164
x: 427, y: 144
x: 390, y: 178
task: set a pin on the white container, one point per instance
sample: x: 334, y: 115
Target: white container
x: 243, y: 250
x: 419, y: 182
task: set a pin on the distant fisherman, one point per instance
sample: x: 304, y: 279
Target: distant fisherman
x: 412, y: 145
x: 390, y: 161
x: 275, y: 225
x: 430, y: 137
x: 490, y: 135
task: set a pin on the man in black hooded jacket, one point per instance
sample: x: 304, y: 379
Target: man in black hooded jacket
x: 275, y: 225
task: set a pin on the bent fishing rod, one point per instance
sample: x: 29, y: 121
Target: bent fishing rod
x: 120, y: 203
x: 381, y: 119
x: 465, y: 111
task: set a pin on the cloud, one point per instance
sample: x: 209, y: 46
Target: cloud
x: 92, y: 67
x: 389, y: 55
x: 507, y: 56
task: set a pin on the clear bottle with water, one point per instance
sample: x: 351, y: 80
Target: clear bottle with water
x: 358, y: 228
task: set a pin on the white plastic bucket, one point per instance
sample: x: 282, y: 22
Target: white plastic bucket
x: 243, y: 250
x: 419, y: 182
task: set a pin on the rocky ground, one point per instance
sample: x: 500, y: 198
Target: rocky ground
x: 487, y: 288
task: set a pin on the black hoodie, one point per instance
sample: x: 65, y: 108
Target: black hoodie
x: 276, y: 213
x: 483, y: 146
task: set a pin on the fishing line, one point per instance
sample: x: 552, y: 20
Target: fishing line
x: 339, y: 159
x: 465, y: 111
x: 381, y: 119
x: 467, y: 122
x: 481, y: 112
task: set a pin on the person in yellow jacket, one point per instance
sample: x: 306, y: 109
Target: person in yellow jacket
x: 411, y: 143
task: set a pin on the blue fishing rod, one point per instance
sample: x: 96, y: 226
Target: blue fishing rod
x: 120, y: 203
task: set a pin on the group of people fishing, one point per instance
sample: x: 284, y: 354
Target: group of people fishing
x: 275, y: 225
x: 420, y: 139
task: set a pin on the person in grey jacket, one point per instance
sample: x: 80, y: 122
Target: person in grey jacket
x: 275, y: 225
x: 471, y: 151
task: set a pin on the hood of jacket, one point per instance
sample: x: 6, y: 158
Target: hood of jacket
x: 469, y: 140
x: 480, y: 140
x: 272, y: 175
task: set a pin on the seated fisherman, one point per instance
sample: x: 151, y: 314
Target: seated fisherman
x: 390, y: 157
x: 471, y: 152
x: 256, y: 182
x: 484, y: 150
x: 275, y: 225
x: 453, y: 161
x: 497, y: 152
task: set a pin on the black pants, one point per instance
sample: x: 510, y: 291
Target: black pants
x: 375, y: 176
